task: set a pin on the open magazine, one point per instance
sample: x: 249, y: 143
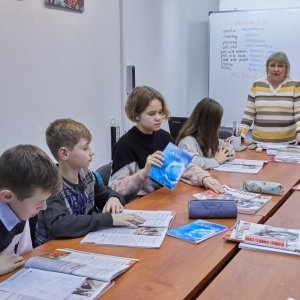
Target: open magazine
x: 197, y: 231
x: 174, y: 164
x: 287, y: 159
x: 289, y: 150
x: 242, y: 166
x: 148, y: 235
x: 265, y: 236
x: 65, y: 274
x: 247, y: 202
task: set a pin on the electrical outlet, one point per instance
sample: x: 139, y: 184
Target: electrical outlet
x: 117, y: 133
x: 115, y: 125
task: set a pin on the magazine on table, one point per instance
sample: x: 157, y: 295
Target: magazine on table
x: 242, y: 165
x: 247, y: 202
x: 278, y: 148
x: 197, y: 231
x: 175, y: 163
x: 148, y: 235
x: 263, y: 235
x: 289, y: 150
x: 266, y: 249
x: 287, y: 159
x: 65, y: 274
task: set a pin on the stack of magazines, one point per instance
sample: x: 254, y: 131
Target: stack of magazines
x: 264, y: 237
x: 247, y: 202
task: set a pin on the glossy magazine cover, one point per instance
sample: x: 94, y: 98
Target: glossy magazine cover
x: 175, y: 163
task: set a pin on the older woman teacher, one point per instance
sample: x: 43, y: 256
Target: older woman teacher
x: 273, y: 104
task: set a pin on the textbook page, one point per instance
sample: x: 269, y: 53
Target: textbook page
x: 246, y: 162
x: 92, y: 265
x: 287, y: 159
x: 144, y: 237
x: 242, y: 166
x: 39, y: 284
x: 156, y: 218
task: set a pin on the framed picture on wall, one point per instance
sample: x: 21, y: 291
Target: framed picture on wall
x: 77, y: 5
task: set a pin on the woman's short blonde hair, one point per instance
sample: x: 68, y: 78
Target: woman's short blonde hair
x: 279, y: 57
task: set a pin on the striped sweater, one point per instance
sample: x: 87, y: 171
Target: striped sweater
x: 275, y: 113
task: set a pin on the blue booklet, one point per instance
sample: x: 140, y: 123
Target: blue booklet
x: 175, y: 163
x: 197, y: 231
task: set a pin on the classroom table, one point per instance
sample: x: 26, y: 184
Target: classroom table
x: 261, y: 275
x: 179, y: 270
x: 285, y: 173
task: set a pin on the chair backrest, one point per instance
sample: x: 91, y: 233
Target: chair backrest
x: 224, y: 134
x: 175, y: 124
x: 105, y: 171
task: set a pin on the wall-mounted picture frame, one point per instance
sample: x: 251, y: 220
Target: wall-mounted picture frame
x: 77, y: 5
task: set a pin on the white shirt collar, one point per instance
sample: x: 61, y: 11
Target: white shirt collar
x: 7, y: 216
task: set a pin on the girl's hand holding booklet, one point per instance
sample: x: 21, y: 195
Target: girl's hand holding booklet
x: 174, y: 164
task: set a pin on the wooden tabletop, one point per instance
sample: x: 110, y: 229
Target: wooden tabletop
x: 261, y: 275
x: 175, y: 271
x: 179, y: 270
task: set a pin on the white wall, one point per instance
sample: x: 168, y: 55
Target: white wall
x: 56, y: 63
x: 167, y: 42
x: 256, y: 4
x: 59, y: 64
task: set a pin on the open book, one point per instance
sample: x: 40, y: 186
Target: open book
x: 65, y: 274
x: 148, y: 235
x: 261, y: 235
x: 242, y: 166
x: 197, y: 231
x: 174, y: 164
x: 247, y: 202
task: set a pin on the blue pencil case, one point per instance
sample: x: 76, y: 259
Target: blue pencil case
x: 263, y: 187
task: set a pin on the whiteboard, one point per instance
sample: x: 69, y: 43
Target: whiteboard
x: 240, y: 43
